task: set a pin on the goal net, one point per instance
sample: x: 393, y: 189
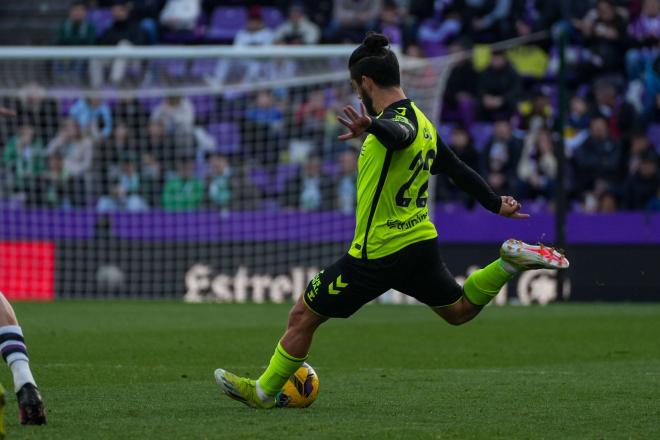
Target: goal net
x: 205, y: 173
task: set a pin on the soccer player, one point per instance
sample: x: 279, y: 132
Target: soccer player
x: 14, y: 351
x: 395, y: 245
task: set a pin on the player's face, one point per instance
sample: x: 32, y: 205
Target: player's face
x: 365, y: 97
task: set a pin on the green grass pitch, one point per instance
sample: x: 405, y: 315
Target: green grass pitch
x: 145, y: 370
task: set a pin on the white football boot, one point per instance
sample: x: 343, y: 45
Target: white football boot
x: 525, y: 256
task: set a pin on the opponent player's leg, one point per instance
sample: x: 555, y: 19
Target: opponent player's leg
x: 290, y: 353
x: 14, y: 352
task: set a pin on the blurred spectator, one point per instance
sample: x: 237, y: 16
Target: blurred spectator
x: 487, y: 21
x: 345, y: 191
x: 255, y: 33
x: 437, y: 33
x: 220, y: 183
x: 147, y: 14
x: 351, y: 19
x: 640, y: 145
x: 77, y: 151
x: 297, y: 29
x: 176, y: 114
x: 183, y: 191
x: 537, y: 112
x: 599, y: 158
x: 644, y: 33
x: 158, y: 144
x: 499, y: 88
x: 56, y: 187
x: 652, y: 92
x: 109, y: 155
x: 642, y: 186
x: 501, y: 158
x: 607, y: 203
x: 93, y: 117
x: 654, y: 204
x: 603, y: 30
x: 310, y: 116
x: 125, y: 191
x: 262, y: 129
x: 310, y: 190
x: 462, y: 145
x: 152, y: 178
x: 35, y: 109
x: 391, y: 23
x: 577, y: 124
x: 23, y: 160
x: 537, y: 168
x: 75, y: 147
x: 76, y: 29
x: 621, y: 116
x: 133, y: 113
x: 461, y: 89
x: 178, y: 15
x: 125, y: 31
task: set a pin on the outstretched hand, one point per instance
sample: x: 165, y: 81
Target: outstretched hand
x: 357, y: 123
x: 6, y: 112
x: 511, y: 208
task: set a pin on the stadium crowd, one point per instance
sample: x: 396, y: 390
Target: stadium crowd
x: 499, y: 110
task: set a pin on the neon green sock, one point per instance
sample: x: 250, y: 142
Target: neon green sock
x: 484, y: 284
x: 282, y: 366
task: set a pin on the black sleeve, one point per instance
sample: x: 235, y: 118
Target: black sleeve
x: 394, y: 130
x: 465, y: 178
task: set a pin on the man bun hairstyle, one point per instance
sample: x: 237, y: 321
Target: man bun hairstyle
x: 373, y: 58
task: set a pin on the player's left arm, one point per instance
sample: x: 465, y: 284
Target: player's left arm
x: 471, y: 182
x: 392, y: 129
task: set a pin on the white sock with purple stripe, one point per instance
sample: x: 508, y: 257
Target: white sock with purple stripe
x: 14, y: 352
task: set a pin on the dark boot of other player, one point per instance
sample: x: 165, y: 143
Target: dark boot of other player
x: 30, y: 405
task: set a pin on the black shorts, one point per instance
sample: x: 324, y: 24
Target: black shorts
x: 417, y: 270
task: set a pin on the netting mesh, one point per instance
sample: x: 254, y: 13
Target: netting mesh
x: 213, y: 178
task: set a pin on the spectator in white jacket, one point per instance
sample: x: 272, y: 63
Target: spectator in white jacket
x: 255, y: 33
x: 298, y: 28
x: 176, y: 114
x: 75, y: 148
x: 179, y: 15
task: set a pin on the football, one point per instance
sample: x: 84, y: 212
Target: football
x: 300, y: 390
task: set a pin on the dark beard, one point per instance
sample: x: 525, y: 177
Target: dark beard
x: 368, y: 102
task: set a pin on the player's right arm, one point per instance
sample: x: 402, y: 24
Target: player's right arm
x: 469, y: 181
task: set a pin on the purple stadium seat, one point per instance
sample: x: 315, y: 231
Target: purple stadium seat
x: 226, y: 22
x: 654, y: 136
x: 101, y: 19
x: 259, y: 177
x: 68, y: 97
x: 272, y: 17
x: 481, y: 132
x: 171, y: 68
x: 150, y: 102
x: 204, y: 105
x: 283, y: 173
x: 202, y: 67
x: 227, y: 135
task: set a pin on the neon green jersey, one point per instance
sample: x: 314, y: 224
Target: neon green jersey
x: 392, y: 182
